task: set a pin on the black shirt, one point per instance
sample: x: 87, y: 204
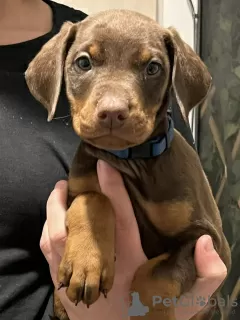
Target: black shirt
x: 34, y: 155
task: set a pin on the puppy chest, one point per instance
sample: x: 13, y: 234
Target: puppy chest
x: 161, y: 215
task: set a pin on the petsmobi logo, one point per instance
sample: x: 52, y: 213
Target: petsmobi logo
x: 191, y: 300
x: 137, y: 309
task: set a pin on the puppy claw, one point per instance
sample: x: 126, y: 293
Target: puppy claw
x: 60, y: 285
x: 105, y: 293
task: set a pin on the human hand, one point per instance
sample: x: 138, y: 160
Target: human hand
x: 129, y: 254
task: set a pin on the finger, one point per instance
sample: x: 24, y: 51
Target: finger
x: 112, y: 186
x: 211, y: 273
x: 56, y: 215
x: 45, y: 244
x: 49, y: 253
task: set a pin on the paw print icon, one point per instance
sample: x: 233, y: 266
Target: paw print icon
x: 137, y: 309
x: 201, y: 301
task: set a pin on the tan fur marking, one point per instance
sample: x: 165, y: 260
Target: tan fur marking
x: 145, y: 56
x: 169, y: 218
x: 78, y: 185
x: 60, y: 311
x: 88, y: 260
x: 154, y: 261
x: 94, y: 50
x: 148, y: 286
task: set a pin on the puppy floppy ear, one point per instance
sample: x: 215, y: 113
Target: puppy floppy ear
x: 44, y: 75
x: 191, y: 80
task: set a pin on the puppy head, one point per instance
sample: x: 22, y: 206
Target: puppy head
x: 119, y: 68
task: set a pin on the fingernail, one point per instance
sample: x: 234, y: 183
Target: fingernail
x: 99, y: 164
x: 208, y: 245
x: 104, y: 167
x: 102, y: 164
x: 60, y: 184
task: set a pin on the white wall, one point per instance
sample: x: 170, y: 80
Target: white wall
x: 176, y: 13
x: 147, y: 7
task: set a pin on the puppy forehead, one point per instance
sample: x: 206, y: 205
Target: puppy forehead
x: 103, y: 44
x: 142, y: 52
x: 120, y: 28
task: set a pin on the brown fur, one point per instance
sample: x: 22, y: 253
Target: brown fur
x: 171, y: 196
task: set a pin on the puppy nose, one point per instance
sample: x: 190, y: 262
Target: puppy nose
x: 113, y: 116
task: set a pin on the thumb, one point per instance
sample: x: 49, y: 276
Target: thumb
x: 112, y: 185
x: 208, y: 263
x: 211, y: 272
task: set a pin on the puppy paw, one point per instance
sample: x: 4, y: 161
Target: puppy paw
x: 86, y: 270
x: 59, y: 310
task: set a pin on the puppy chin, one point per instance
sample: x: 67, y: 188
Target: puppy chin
x: 113, y: 142
x: 110, y: 143
x: 118, y: 139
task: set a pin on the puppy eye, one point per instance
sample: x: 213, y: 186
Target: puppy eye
x: 84, y: 63
x: 153, y: 68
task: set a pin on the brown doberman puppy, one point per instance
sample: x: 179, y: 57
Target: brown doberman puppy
x: 120, y: 69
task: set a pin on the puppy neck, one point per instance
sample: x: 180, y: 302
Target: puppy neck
x: 158, y: 143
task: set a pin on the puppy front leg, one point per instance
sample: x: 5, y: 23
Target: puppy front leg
x: 87, y: 266
x: 160, y: 282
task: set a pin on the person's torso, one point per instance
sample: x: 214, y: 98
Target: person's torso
x: 34, y: 155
